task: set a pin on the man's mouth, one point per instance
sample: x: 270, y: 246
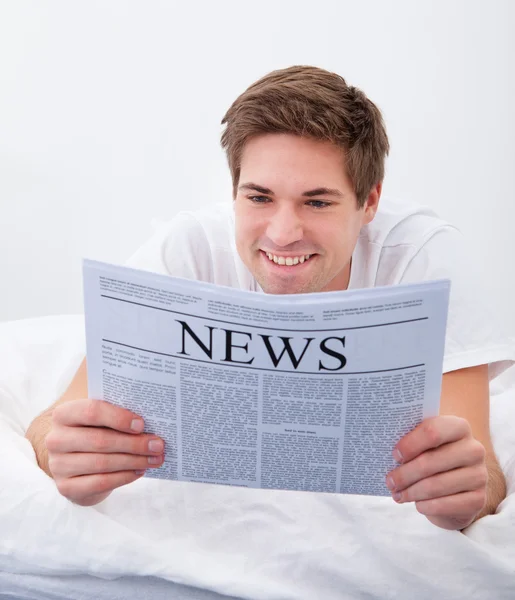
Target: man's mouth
x: 288, y: 261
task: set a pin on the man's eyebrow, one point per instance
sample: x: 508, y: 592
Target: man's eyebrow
x: 322, y: 191
x: 256, y: 188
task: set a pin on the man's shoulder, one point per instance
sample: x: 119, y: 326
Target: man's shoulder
x: 399, y: 222
x: 215, y: 222
x: 387, y: 247
x: 200, y: 244
x: 219, y: 213
x: 195, y: 244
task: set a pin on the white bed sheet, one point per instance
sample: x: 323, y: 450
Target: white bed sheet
x: 252, y: 544
x: 15, y: 586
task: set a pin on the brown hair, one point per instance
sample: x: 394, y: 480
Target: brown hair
x: 308, y: 101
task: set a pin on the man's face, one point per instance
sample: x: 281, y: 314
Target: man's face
x: 290, y: 240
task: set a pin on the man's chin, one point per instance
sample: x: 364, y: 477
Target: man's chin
x: 282, y: 288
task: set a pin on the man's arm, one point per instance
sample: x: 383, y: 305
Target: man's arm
x: 466, y: 394
x: 42, y: 424
x: 448, y: 465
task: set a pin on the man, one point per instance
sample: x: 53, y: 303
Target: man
x: 306, y: 153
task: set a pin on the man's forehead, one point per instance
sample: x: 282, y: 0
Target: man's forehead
x: 287, y: 163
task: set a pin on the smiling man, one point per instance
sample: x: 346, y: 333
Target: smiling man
x: 294, y: 238
x: 306, y: 153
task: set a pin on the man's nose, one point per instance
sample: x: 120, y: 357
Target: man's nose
x: 284, y: 228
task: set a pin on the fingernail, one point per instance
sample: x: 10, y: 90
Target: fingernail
x: 142, y: 472
x: 390, y: 483
x: 137, y: 425
x: 397, y: 455
x: 154, y: 460
x: 397, y: 496
x: 156, y: 446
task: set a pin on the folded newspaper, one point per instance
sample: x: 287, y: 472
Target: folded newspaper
x: 295, y: 392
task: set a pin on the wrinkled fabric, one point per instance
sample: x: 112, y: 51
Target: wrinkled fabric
x: 255, y: 544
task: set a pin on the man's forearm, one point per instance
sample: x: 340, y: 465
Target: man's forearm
x: 36, y: 434
x: 42, y: 424
x: 496, y: 490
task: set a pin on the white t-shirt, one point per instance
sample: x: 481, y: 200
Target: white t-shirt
x: 405, y: 243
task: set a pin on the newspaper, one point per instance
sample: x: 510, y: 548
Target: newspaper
x: 298, y: 392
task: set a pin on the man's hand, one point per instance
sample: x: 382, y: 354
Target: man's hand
x: 443, y: 470
x: 95, y: 447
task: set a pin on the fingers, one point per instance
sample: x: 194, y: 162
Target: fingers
x: 443, y: 470
x: 466, y: 452
x: 455, y: 511
x: 101, y: 440
x: 95, y: 447
x: 72, y: 465
x: 91, y: 489
x: 97, y: 413
x: 431, y: 433
x: 445, y: 484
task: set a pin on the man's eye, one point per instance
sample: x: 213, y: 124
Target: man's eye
x: 318, y: 203
x: 259, y: 199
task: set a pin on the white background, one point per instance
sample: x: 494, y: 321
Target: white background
x: 110, y: 116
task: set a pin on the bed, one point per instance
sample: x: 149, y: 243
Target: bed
x: 161, y: 539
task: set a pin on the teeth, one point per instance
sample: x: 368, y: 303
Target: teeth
x: 288, y: 260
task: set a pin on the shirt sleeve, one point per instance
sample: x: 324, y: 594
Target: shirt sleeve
x: 474, y: 336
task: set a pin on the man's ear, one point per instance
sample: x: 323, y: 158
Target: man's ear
x: 372, y: 203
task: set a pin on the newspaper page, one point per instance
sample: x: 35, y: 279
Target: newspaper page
x: 297, y: 392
